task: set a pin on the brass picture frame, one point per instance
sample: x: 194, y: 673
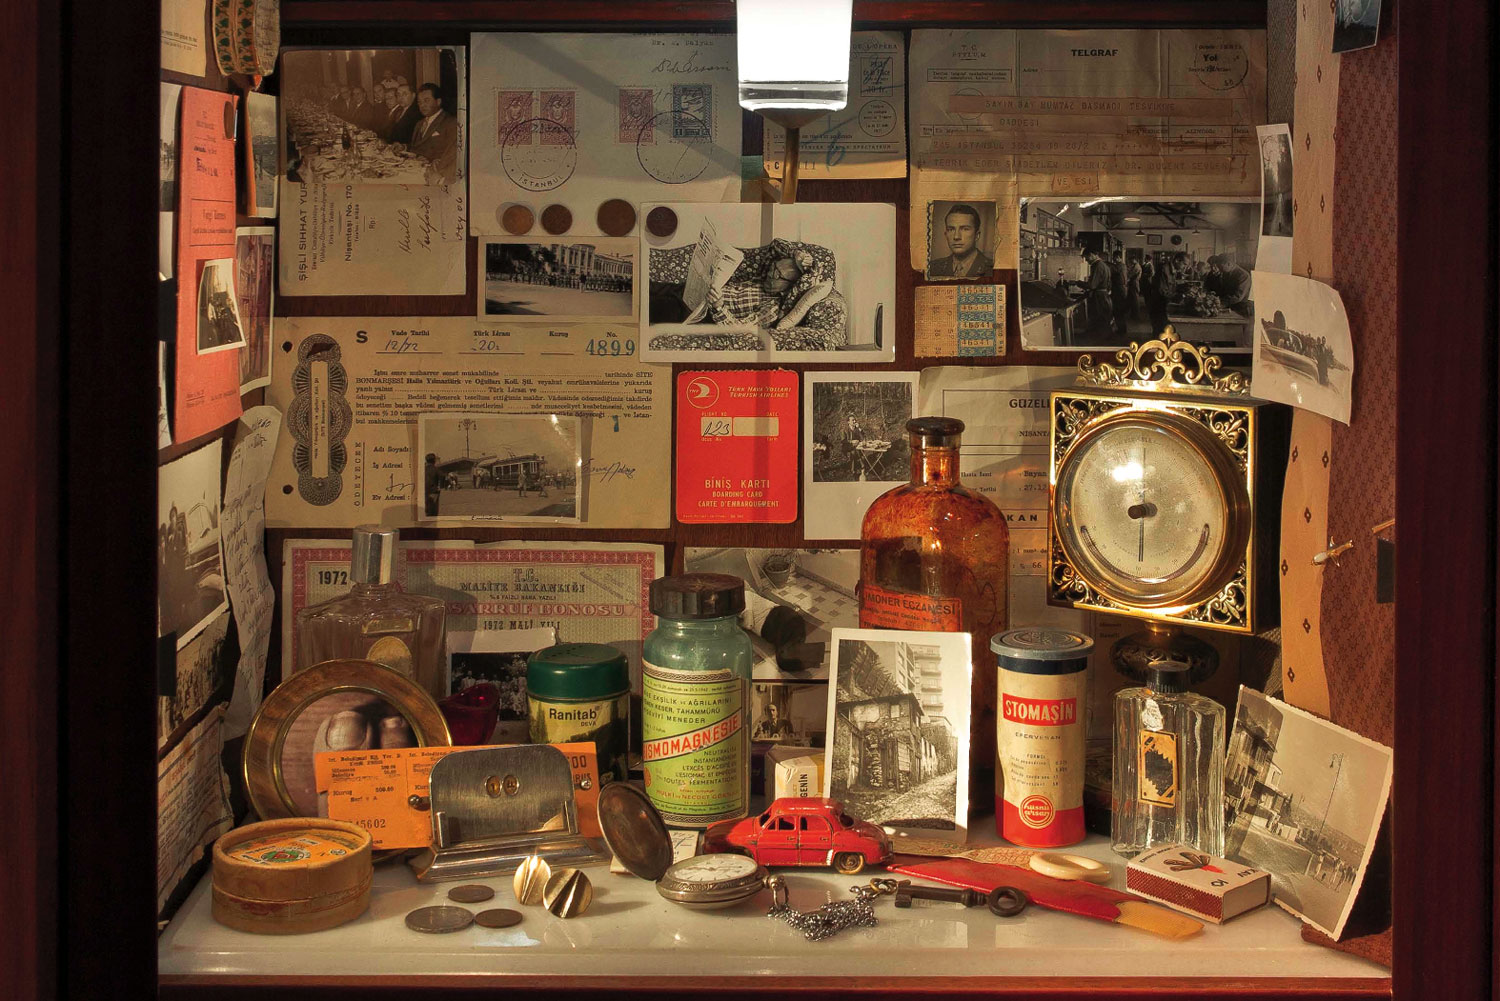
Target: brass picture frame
x: 370, y: 688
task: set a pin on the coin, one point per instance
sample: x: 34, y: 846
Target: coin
x: 568, y: 893
x: 616, y: 217
x: 531, y: 879
x: 470, y: 893
x: 556, y: 219
x: 661, y: 221
x: 437, y: 920
x: 497, y: 917
x: 517, y: 220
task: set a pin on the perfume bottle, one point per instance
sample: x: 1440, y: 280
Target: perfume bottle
x: 376, y: 620
x: 935, y: 555
x: 1169, y: 765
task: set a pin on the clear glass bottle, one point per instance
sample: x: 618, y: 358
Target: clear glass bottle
x: 695, y: 738
x: 1169, y: 765
x: 935, y: 555
x: 376, y: 620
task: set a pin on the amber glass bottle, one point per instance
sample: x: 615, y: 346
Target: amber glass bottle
x: 935, y: 555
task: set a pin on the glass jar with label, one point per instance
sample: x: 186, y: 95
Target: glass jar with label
x: 1169, y: 765
x: 935, y: 555
x: 581, y: 692
x: 695, y: 688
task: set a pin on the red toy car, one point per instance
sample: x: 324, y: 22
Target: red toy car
x: 802, y: 831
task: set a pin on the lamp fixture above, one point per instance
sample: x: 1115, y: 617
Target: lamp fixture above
x: 793, y: 66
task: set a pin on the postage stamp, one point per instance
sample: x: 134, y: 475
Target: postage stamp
x: 635, y: 113
x: 692, y: 111
x: 681, y: 155
x: 513, y: 107
x: 558, y: 106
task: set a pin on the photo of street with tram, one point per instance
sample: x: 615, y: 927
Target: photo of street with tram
x: 507, y: 467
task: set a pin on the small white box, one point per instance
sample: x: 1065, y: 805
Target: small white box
x: 1211, y: 888
x: 794, y: 771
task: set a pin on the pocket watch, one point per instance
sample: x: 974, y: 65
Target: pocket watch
x: 705, y: 882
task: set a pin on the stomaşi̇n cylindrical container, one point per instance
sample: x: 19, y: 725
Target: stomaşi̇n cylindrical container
x: 1043, y: 687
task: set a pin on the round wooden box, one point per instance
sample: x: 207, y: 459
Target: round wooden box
x: 284, y: 877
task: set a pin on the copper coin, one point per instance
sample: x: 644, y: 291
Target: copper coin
x: 470, y: 893
x: 616, y: 217
x: 517, y: 220
x: 556, y: 219
x: 498, y: 917
x: 438, y: 920
x: 661, y: 221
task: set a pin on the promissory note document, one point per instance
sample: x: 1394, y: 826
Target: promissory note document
x: 353, y: 388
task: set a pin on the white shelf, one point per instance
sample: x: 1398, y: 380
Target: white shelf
x: 632, y: 931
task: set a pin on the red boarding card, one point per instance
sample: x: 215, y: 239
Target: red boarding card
x: 737, y: 447
x: 208, y: 368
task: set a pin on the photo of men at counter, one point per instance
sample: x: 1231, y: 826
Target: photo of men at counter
x: 1106, y: 272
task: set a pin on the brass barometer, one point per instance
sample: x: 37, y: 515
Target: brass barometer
x: 1157, y: 460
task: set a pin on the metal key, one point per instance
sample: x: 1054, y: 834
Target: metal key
x: 906, y: 893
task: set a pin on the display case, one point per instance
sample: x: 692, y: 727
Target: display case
x: 79, y: 473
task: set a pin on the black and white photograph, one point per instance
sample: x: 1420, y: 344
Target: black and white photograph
x: 203, y: 674
x: 262, y: 151
x: 343, y: 721
x: 794, y: 599
x: 802, y: 282
x: 219, y: 325
x: 560, y: 280
x: 499, y: 467
x: 1275, y: 250
x: 898, y: 726
x: 960, y: 240
x: 1356, y: 24
x: 855, y: 446
x: 372, y: 116
x: 1108, y: 271
x: 498, y: 657
x: 1303, y: 800
x: 166, y: 198
x: 255, y: 285
x: 1304, y: 354
x: 189, y: 562
x: 788, y: 712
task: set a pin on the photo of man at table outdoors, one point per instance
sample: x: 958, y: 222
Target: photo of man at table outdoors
x: 859, y: 431
x: 1108, y: 272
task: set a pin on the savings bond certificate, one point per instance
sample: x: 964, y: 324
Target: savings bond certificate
x: 998, y: 114
x: 352, y: 389
x: 590, y: 592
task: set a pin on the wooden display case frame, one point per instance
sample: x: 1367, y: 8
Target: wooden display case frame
x: 77, y: 487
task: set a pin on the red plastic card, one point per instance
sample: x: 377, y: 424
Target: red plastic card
x: 737, y: 447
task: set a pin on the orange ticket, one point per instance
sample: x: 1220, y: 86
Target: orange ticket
x: 374, y: 789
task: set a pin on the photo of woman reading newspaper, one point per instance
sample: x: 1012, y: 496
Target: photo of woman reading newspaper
x: 763, y: 283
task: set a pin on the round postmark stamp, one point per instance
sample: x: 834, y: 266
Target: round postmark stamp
x: 675, y: 147
x: 877, y: 119
x: 539, y: 154
x: 1220, y: 65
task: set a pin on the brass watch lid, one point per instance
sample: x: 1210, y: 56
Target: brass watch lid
x: 634, y: 830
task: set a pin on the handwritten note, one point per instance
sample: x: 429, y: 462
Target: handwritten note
x: 243, y: 527
x: 192, y: 803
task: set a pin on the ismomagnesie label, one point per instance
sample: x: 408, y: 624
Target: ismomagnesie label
x: 694, y: 744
